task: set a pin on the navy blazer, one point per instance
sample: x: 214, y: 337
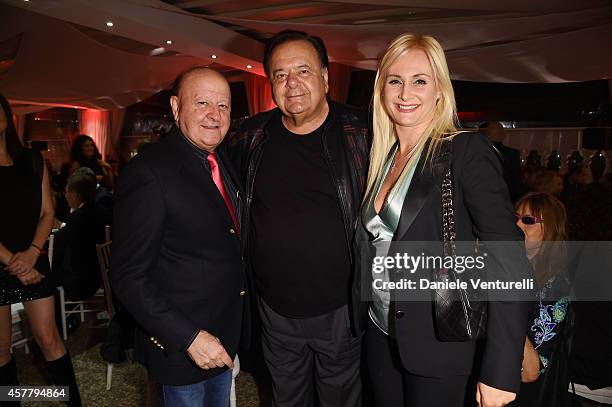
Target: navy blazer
x: 176, y: 261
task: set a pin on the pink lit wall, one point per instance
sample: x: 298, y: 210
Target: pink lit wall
x: 95, y: 124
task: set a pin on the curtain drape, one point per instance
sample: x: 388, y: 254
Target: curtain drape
x: 117, y: 118
x: 339, y: 78
x: 20, y: 120
x: 259, y: 94
x: 96, y: 124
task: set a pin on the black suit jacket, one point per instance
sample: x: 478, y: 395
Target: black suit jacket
x: 75, y: 262
x: 511, y: 164
x: 482, y: 210
x: 176, y: 264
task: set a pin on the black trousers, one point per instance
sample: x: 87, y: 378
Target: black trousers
x: 312, y: 361
x: 393, y: 386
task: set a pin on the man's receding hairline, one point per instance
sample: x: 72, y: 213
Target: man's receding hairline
x: 199, y: 70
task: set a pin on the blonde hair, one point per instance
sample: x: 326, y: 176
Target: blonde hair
x: 445, y: 115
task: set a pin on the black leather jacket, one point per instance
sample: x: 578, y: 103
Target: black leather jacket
x: 346, y: 145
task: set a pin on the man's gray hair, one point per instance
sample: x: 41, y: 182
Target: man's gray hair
x: 83, y: 183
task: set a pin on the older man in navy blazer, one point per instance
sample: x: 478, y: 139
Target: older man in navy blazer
x: 176, y: 262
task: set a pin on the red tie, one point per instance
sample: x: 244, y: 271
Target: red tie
x: 216, y: 176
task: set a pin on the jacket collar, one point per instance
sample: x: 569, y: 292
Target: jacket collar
x: 192, y: 167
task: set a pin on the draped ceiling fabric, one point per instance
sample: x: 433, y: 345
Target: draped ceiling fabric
x: 56, y: 64
x: 533, y: 48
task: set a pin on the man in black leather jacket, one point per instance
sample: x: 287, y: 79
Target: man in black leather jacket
x: 304, y: 166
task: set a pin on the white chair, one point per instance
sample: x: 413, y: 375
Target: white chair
x: 79, y: 308
x: 66, y: 306
x: 18, y: 337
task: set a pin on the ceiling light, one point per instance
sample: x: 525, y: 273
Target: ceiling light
x: 213, y: 56
x: 249, y: 66
x: 109, y: 24
x: 168, y: 42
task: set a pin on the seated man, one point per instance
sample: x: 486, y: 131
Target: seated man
x: 75, y: 262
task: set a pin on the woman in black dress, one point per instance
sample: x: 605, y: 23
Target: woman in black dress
x: 26, y: 216
x: 84, y: 153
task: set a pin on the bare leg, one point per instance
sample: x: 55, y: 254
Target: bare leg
x: 41, y: 314
x: 8, y: 369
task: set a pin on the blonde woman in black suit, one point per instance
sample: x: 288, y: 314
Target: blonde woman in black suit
x: 414, y: 118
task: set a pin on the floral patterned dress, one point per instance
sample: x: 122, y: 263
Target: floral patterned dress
x: 548, y: 320
x: 546, y: 329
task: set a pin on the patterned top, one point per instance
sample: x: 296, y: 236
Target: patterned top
x: 549, y: 315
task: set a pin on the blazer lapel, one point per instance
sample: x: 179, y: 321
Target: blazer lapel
x: 193, y: 170
x: 426, y: 180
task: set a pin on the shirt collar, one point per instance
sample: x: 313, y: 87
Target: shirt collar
x: 199, y: 152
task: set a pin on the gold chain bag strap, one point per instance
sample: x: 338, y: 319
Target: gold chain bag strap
x: 461, y: 314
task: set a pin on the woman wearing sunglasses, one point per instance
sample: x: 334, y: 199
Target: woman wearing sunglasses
x: 542, y: 219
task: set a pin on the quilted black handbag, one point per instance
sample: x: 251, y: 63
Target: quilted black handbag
x: 461, y: 314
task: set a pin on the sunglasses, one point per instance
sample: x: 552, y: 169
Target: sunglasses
x: 528, y: 219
